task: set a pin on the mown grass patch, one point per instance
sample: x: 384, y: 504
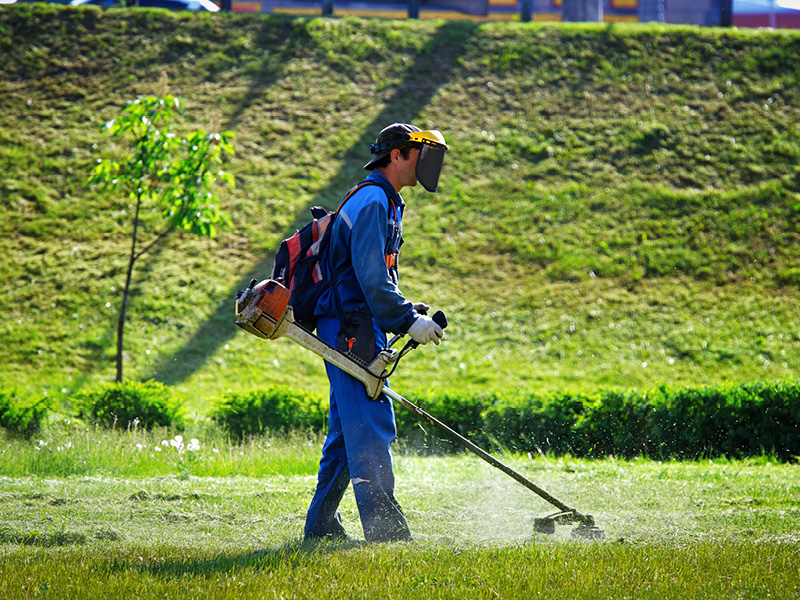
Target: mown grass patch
x: 696, y: 530
x: 745, y: 570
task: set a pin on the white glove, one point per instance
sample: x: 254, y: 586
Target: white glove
x: 421, y: 308
x: 425, y: 330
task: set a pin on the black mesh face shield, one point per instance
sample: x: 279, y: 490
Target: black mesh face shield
x: 429, y: 165
x: 431, y: 146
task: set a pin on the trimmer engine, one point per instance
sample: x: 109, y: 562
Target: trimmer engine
x: 261, y: 309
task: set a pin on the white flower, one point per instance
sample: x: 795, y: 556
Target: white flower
x: 164, y: 443
x: 157, y: 449
x: 194, y: 445
x: 139, y: 446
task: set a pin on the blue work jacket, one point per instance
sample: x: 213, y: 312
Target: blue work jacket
x: 366, y: 230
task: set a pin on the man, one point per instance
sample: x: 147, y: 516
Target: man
x: 354, y: 315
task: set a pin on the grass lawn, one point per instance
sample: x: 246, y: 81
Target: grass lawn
x: 140, y: 524
x: 620, y: 209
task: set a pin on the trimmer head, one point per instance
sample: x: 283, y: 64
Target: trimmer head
x: 586, y: 529
x: 586, y: 532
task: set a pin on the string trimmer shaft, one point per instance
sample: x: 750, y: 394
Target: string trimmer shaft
x: 264, y: 311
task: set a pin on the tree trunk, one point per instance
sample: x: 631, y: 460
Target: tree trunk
x: 126, y: 290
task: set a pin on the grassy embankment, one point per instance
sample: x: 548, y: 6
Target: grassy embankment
x: 620, y: 207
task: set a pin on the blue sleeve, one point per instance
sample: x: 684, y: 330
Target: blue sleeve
x: 367, y: 246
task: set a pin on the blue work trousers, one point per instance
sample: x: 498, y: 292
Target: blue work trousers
x: 357, y: 449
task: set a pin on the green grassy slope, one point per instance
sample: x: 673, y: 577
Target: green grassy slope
x: 620, y: 207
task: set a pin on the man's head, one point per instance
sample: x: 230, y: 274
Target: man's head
x: 406, y: 154
x: 391, y: 138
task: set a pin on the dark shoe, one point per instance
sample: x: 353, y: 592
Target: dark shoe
x: 330, y: 531
x: 339, y: 536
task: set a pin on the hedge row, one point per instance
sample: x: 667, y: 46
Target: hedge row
x: 131, y: 404
x: 683, y: 423
x: 686, y: 423
x: 275, y: 409
x: 21, y: 417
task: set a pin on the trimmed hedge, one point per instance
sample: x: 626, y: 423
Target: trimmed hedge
x: 687, y: 423
x: 273, y: 410
x: 20, y: 417
x: 121, y: 404
x: 682, y: 423
x: 667, y: 423
x: 464, y: 414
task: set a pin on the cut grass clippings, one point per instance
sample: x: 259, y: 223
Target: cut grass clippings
x: 716, y: 529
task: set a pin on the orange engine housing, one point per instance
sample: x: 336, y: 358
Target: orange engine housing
x: 262, y: 309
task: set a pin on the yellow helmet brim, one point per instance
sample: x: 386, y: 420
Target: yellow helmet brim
x: 432, y: 137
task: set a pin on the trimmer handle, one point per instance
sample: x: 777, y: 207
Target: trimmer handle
x: 440, y: 318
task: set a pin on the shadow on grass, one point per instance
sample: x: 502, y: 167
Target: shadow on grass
x: 435, y: 63
x: 42, y: 539
x: 290, y: 554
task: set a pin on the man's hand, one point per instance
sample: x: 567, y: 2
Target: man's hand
x: 425, y: 330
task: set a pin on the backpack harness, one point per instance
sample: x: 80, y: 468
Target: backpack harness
x: 302, y: 261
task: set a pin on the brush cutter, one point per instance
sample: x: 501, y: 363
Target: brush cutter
x: 263, y: 309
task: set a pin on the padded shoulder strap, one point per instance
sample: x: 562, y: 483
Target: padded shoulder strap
x: 335, y: 275
x: 364, y: 184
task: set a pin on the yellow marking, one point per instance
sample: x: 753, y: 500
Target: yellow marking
x: 246, y: 6
x: 452, y: 15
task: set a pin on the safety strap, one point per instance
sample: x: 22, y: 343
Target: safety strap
x: 391, y: 259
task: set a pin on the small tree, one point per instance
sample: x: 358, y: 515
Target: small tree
x: 172, y: 173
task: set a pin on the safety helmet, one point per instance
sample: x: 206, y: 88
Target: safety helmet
x: 431, y: 155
